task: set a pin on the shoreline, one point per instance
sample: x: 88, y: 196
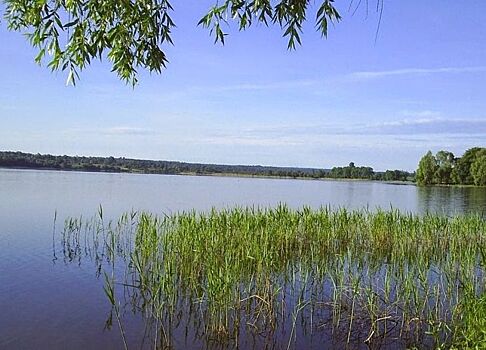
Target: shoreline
x: 229, y: 175
x: 244, y: 176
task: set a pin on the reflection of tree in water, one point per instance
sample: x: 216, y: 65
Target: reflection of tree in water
x: 477, y: 199
x: 451, y: 200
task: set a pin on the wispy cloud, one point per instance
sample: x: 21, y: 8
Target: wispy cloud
x: 187, y: 94
x: 367, y: 75
x: 418, y: 130
x: 278, y: 85
x: 427, y: 113
x: 434, y: 125
x: 126, y: 131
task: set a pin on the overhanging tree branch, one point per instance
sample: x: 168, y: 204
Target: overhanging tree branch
x: 69, y: 34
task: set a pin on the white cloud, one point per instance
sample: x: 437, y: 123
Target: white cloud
x: 126, y: 131
x: 421, y: 113
x: 267, y: 86
x: 367, y: 75
x: 431, y: 126
x: 415, y: 133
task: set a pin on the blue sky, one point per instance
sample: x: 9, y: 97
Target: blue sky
x: 420, y: 86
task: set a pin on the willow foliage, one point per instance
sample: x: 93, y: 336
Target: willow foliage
x: 69, y: 34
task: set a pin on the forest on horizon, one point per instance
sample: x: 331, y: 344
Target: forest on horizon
x: 126, y: 165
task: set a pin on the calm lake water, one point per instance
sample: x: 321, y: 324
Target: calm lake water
x: 50, y: 304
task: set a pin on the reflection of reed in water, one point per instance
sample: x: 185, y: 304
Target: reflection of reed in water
x: 278, y: 278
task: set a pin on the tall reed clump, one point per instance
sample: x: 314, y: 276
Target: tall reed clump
x: 358, y: 276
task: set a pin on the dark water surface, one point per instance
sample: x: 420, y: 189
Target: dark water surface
x: 50, y: 304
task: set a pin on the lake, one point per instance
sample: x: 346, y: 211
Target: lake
x: 52, y: 304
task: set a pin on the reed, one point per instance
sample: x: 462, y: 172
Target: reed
x: 374, y: 277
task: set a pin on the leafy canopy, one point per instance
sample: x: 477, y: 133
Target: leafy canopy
x: 427, y: 169
x: 133, y: 33
x: 478, y: 168
x: 444, y: 168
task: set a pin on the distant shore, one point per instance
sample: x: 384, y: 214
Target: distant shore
x: 21, y: 160
x: 230, y: 175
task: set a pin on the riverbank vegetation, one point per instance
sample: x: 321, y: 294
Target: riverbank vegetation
x: 445, y: 169
x: 126, y: 165
x: 278, y: 278
x: 367, y: 173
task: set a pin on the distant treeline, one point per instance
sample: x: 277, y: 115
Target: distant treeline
x: 353, y: 172
x: 126, y: 165
x: 444, y: 168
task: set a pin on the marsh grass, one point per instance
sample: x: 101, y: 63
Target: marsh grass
x: 381, y: 278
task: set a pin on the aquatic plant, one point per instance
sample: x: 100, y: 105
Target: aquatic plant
x: 350, y: 277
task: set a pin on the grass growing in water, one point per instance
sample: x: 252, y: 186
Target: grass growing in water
x: 381, y: 278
